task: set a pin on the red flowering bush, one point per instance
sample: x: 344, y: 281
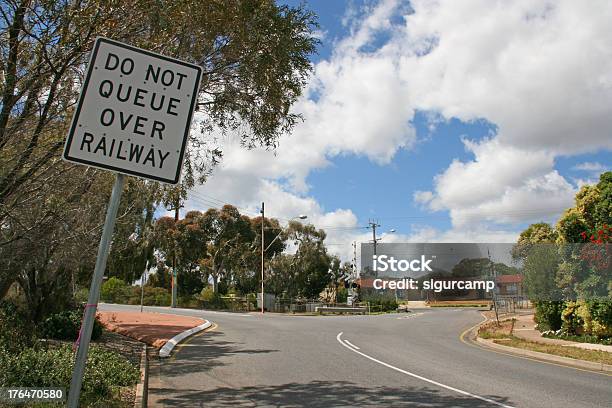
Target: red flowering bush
x: 597, y: 250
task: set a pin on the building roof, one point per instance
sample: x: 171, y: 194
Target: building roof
x: 510, y: 278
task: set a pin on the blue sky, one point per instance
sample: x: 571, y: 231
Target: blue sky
x: 446, y: 121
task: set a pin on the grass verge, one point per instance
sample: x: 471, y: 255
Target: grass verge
x: 502, y: 334
x: 596, y: 356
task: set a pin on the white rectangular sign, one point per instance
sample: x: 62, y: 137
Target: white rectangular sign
x: 134, y: 112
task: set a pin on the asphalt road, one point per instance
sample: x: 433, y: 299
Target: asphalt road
x: 409, y: 359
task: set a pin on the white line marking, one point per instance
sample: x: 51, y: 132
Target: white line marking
x: 410, y: 316
x: 457, y: 390
x: 351, y: 344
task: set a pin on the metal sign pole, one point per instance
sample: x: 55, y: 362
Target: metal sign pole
x: 143, y: 280
x: 94, y: 293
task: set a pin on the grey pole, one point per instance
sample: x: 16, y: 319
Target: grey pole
x: 143, y: 280
x: 263, y: 249
x: 94, y: 293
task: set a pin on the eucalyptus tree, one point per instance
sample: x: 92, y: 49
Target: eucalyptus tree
x: 255, y: 57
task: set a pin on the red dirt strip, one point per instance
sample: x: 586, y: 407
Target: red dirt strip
x: 154, y: 329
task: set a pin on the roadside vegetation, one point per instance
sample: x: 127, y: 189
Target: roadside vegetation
x: 42, y: 356
x: 502, y: 334
x: 256, y: 61
x: 568, y: 267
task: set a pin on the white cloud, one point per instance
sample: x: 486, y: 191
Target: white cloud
x: 502, y: 185
x: 540, y: 71
x: 591, y: 167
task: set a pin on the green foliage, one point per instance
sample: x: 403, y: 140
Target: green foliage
x: 470, y: 267
x: 548, y: 314
x: 81, y: 295
x: 155, y: 296
x: 534, y: 234
x: 590, y: 319
x: 540, y: 268
x: 256, y: 60
x: 571, y: 225
x: 381, y: 302
x: 52, y: 367
x: 16, y: 330
x: 66, y: 325
x: 602, y: 209
x: 592, y: 211
x: 341, y: 294
x: 114, y: 290
x: 572, y: 321
x: 597, y: 317
x: 211, y: 299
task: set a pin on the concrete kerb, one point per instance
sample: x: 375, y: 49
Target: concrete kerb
x: 140, y: 401
x: 170, y: 344
x: 545, y: 357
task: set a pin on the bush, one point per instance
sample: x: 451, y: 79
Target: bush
x: 251, y: 299
x: 153, y: 296
x: 188, y: 302
x: 548, y: 314
x: 341, y: 295
x: 597, y: 317
x: 17, y: 330
x: 211, y: 299
x: 572, y: 322
x: 82, y: 295
x: 66, y: 325
x: 115, y: 290
x: 52, y: 367
x: 381, y: 303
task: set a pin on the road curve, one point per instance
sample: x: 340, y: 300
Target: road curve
x: 250, y: 360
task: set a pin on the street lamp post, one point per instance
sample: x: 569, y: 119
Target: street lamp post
x: 265, y: 248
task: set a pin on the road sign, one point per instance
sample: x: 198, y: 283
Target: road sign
x: 134, y: 112
x: 133, y: 117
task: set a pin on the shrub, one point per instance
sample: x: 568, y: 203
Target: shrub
x: 52, y: 367
x: 597, y: 317
x: 251, y: 299
x: 82, y: 295
x: 17, y: 329
x: 188, y: 301
x: 114, y: 290
x: 382, y: 303
x: 211, y: 299
x: 572, y: 322
x: 342, y: 295
x: 156, y: 296
x: 66, y: 325
x: 548, y: 314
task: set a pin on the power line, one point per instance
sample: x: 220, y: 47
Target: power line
x: 215, y: 202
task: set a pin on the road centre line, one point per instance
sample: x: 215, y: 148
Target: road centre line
x: 457, y: 390
x: 410, y: 316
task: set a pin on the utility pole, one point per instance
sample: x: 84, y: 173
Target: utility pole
x: 494, y: 298
x: 177, y: 206
x: 355, y: 259
x: 262, y: 256
x: 374, y: 225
